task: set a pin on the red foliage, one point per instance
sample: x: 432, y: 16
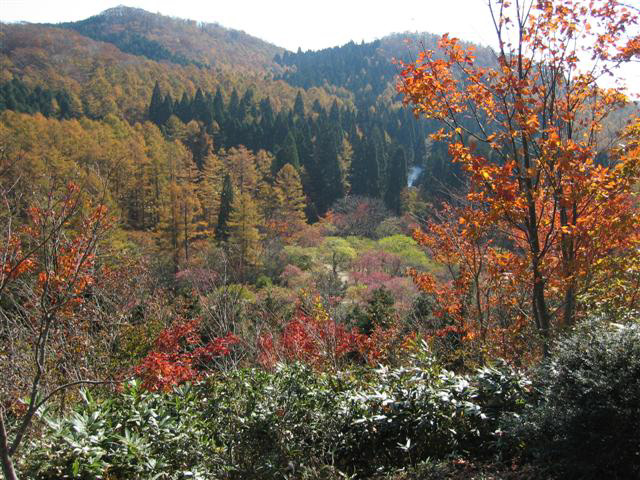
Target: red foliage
x: 377, y: 261
x: 313, y: 339
x: 318, y: 340
x: 179, y: 356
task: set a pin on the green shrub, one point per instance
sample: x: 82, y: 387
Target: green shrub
x: 587, y: 422
x: 131, y: 435
x: 407, y: 415
x: 293, y: 422
x: 275, y: 422
x: 301, y: 257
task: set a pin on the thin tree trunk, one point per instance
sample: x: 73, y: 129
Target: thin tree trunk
x: 569, y: 304
x: 568, y: 265
x: 7, y: 465
x: 540, y: 311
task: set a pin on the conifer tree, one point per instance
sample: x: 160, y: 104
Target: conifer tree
x: 155, y: 106
x: 298, y: 106
x: 234, y: 105
x: 199, y: 142
x: 288, y: 153
x: 244, y: 236
x: 292, y: 200
x: 183, y: 109
x: 345, y: 158
x: 247, y: 106
x: 370, y: 163
x: 189, y: 204
x: 226, y: 201
x: 334, y: 114
x: 328, y: 150
x: 165, y: 111
x: 358, y: 167
x: 396, y: 180
x: 210, y: 189
x: 241, y: 163
x: 200, y: 109
x: 181, y: 206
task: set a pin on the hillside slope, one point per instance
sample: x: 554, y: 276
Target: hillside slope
x: 184, y: 42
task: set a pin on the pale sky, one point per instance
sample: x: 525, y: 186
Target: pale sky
x: 297, y: 23
x: 287, y: 23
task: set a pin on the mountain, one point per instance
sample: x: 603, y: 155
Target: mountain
x: 100, y: 78
x: 184, y: 42
x: 334, y: 114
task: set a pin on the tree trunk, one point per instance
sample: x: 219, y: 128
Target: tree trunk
x: 569, y: 304
x: 568, y: 265
x: 5, y: 457
x: 540, y: 311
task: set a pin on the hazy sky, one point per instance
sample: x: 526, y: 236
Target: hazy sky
x: 296, y: 23
x: 287, y: 23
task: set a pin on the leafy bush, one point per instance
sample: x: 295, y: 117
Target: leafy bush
x: 301, y: 257
x: 406, y: 248
x: 288, y: 423
x: 275, y: 422
x: 379, y: 311
x: 587, y: 422
x: 131, y: 435
x: 407, y: 415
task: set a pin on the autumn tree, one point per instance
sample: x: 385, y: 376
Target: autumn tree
x: 291, y: 199
x: 209, y: 189
x: 527, y: 133
x: 244, y: 236
x: 181, y: 212
x: 226, y: 202
x: 241, y: 164
x: 48, y: 276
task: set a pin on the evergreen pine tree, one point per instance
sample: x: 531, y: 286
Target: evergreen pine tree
x: 226, y: 201
x: 246, y: 105
x: 166, y: 110
x: 328, y: 147
x: 288, y: 153
x: 396, y: 180
x: 371, y: 172
x: 334, y: 114
x: 234, y: 105
x: 358, y: 174
x: 201, y: 109
x: 298, y: 106
x: 183, y: 109
x: 155, y: 107
x: 218, y: 108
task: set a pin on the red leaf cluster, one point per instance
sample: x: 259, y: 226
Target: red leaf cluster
x: 180, y: 356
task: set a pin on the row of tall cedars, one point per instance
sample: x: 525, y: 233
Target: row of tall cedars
x: 575, y: 416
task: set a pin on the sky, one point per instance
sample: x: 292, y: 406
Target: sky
x: 298, y: 23
x: 287, y: 23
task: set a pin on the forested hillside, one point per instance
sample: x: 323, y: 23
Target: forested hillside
x: 414, y: 258
x: 184, y: 42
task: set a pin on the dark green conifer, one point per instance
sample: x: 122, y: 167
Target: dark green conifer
x: 234, y: 105
x: 226, y: 200
x: 298, y: 106
x: 396, y: 180
x: 183, y: 109
x: 288, y: 153
x: 155, y: 106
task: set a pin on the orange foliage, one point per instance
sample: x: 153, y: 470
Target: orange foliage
x: 541, y: 211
